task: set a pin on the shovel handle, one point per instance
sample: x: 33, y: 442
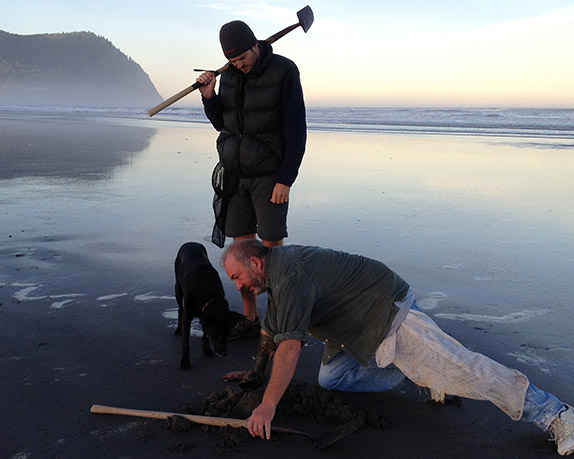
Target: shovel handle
x: 182, y: 93
x: 278, y: 35
x: 320, y: 442
x: 174, y: 98
x: 306, y: 18
x: 207, y: 420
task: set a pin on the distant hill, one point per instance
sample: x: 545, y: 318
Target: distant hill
x: 78, y: 68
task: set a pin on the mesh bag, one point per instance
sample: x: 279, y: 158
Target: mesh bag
x: 224, y: 185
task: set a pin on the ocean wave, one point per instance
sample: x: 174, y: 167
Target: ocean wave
x: 504, y: 122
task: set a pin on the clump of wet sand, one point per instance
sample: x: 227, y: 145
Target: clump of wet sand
x: 301, y: 400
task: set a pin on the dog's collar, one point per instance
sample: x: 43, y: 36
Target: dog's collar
x: 208, y: 303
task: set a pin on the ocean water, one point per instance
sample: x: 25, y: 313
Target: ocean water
x: 509, y: 122
x: 473, y: 207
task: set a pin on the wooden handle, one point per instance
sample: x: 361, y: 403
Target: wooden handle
x: 173, y: 99
x: 182, y: 93
x: 306, y: 18
x: 207, y: 420
x: 282, y: 33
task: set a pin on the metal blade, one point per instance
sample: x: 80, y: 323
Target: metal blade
x: 306, y: 18
x: 328, y: 438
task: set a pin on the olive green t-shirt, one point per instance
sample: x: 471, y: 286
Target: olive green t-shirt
x: 344, y: 300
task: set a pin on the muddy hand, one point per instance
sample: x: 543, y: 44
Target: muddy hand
x: 247, y: 379
x: 234, y: 376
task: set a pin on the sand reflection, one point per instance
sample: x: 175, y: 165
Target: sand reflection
x: 67, y: 149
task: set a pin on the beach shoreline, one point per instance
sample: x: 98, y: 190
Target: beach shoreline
x: 92, y: 215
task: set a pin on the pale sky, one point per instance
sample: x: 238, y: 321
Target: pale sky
x: 491, y: 53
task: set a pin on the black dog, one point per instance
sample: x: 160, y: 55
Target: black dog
x: 199, y: 293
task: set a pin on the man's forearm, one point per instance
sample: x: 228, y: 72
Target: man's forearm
x: 284, y: 365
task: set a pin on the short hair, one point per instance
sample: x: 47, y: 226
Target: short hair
x: 243, y: 249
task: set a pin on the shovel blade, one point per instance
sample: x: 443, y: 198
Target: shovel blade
x: 306, y: 18
x: 330, y: 437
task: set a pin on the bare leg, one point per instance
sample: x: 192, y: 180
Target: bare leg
x: 250, y: 327
x: 269, y: 244
x: 248, y: 298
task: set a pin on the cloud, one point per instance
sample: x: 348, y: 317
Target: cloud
x: 255, y: 10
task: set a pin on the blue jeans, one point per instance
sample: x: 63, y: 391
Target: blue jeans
x: 345, y: 374
x: 541, y: 407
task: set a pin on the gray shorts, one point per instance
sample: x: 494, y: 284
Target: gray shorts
x: 250, y: 210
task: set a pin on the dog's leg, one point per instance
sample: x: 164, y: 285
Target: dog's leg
x: 179, y: 299
x: 185, y: 331
x: 205, y: 344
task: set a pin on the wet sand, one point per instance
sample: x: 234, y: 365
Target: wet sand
x: 92, y: 213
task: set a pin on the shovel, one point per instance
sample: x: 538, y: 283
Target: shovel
x: 319, y: 442
x: 305, y: 17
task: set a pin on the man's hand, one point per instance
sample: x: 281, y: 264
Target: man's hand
x: 280, y: 194
x: 284, y: 364
x: 207, y: 89
x: 259, y: 423
x: 239, y: 375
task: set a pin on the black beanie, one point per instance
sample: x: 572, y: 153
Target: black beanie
x: 236, y: 37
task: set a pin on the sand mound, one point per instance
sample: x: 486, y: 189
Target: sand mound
x: 301, y: 400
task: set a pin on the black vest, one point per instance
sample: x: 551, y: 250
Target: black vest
x: 251, y: 142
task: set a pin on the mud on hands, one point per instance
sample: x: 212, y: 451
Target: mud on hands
x: 253, y: 379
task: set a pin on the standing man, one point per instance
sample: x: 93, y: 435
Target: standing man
x: 260, y: 114
x: 362, y: 309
